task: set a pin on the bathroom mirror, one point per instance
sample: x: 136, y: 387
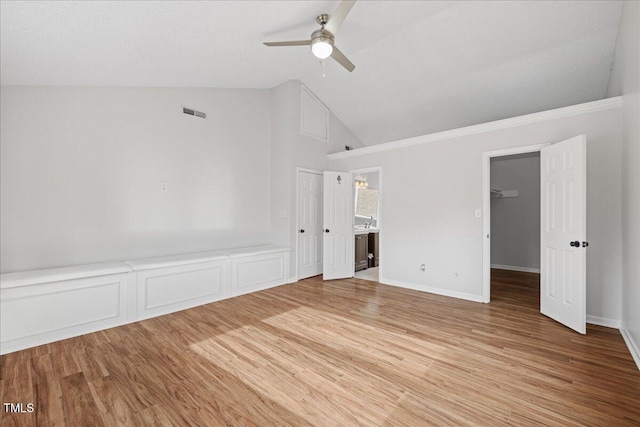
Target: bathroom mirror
x: 366, y: 203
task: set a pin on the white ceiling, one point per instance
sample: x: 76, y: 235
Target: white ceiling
x: 421, y: 67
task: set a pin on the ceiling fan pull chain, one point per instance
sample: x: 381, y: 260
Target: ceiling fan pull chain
x: 324, y: 68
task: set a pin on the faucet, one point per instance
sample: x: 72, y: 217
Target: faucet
x: 368, y: 224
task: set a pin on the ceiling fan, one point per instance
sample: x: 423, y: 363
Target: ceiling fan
x: 322, y: 40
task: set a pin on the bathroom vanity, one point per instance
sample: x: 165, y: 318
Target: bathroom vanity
x: 366, y: 242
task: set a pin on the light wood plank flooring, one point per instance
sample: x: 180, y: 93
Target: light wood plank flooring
x: 340, y: 353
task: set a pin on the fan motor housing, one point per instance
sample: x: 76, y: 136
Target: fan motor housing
x: 322, y: 35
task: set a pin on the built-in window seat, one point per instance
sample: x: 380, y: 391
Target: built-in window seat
x: 42, y: 306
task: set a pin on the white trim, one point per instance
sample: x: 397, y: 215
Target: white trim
x: 432, y: 290
x: 327, y: 116
x: 379, y: 219
x: 486, y: 209
x: 366, y: 170
x: 254, y: 250
x: 61, y: 274
x: 603, y: 321
x: 174, y: 260
x: 297, y: 222
x: 516, y: 268
x: 573, y: 110
x: 634, y: 349
x: 313, y: 171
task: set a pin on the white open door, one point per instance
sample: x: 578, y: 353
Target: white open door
x: 310, y: 231
x: 337, y: 243
x: 563, y: 232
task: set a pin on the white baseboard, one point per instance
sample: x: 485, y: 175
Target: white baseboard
x: 515, y: 268
x: 292, y: 279
x: 432, y: 290
x: 603, y: 321
x: 633, y: 347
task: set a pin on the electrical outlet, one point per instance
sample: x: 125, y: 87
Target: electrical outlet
x: 164, y: 186
x: 282, y: 214
x: 456, y: 275
x: 423, y: 267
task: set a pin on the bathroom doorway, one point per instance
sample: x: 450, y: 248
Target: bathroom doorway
x: 367, y: 223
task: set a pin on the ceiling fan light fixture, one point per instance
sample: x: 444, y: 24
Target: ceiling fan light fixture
x: 322, y: 40
x: 322, y: 49
x: 321, y: 44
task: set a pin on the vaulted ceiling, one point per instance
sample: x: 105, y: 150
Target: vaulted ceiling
x: 421, y: 67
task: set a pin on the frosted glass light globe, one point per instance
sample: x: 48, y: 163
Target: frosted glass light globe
x: 321, y: 49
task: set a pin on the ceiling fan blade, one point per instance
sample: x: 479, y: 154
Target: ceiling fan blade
x: 342, y: 60
x: 338, y: 17
x: 291, y: 43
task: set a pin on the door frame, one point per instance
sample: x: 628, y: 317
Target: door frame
x: 380, y: 237
x: 297, y: 222
x: 486, y: 208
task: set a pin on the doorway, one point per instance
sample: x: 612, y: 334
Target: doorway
x: 309, y: 223
x: 515, y: 229
x: 563, y: 210
x: 324, y: 226
x: 486, y: 207
x: 367, y: 223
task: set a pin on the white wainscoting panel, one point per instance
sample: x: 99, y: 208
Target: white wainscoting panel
x: 257, y: 272
x: 47, y: 312
x: 165, y: 290
x: 39, y: 307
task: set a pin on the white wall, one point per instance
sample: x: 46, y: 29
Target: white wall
x: 625, y: 81
x: 292, y: 150
x: 431, y: 191
x: 515, y: 221
x: 82, y: 167
x: 281, y: 160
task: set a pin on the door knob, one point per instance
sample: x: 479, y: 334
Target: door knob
x: 585, y: 244
x: 326, y: 231
x: 302, y: 230
x: 575, y: 244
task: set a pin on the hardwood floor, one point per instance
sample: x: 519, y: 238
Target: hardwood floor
x: 339, y: 353
x: 515, y: 289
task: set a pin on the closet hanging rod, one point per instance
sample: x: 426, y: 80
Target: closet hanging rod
x: 503, y: 193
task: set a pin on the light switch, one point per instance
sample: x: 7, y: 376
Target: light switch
x: 282, y: 214
x: 478, y: 213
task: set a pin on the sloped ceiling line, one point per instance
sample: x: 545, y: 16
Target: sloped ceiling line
x: 421, y: 67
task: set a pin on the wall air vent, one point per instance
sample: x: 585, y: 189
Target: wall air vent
x: 192, y: 112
